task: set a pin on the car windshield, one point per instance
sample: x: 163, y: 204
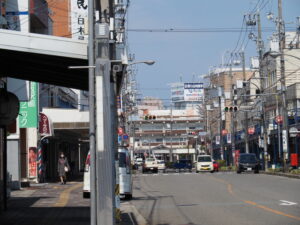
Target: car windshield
x: 149, y: 160
x: 160, y: 162
x: 184, y: 161
x: 204, y: 159
x: 122, y: 159
x: 248, y: 158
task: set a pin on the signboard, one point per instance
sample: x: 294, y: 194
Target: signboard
x: 32, y: 161
x: 251, y: 130
x: 284, y: 141
x: 193, y: 91
x: 224, y: 132
x: 45, y: 125
x: 293, y: 132
x: 79, y: 9
x: 28, y: 116
x: 279, y: 119
x: 229, y: 138
x: 217, y: 140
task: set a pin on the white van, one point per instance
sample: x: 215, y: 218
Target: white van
x: 204, y: 163
x: 125, y: 176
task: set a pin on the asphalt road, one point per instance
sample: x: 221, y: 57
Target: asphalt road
x: 217, y: 199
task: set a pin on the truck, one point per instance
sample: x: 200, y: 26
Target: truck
x: 150, y: 164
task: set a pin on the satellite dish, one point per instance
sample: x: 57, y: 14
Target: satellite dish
x: 9, y: 107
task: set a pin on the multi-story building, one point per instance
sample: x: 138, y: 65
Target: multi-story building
x: 218, y: 96
x: 272, y: 87
x: 166, y: 131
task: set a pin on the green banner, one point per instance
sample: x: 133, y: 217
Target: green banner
x: 29, y: 110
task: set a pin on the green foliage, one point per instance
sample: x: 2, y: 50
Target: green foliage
x: 222, y: 163
x: 169, y: 164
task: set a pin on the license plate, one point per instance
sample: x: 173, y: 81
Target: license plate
x: 249, y: 169
x: 151, y: 168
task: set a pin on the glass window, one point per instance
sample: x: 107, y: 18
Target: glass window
x: 204, y: 159
x: 122, y: 159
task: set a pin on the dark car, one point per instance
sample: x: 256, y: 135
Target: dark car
x: 248, y: 162
x: 183, y: 164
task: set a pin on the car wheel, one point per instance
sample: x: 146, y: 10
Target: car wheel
x: 211, y: 171
x: 256, y: 171
x: 238, y: 171
x: 86, y: 195
x: 128, y: 196
x: 197, y: 171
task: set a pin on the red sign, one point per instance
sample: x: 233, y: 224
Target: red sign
x: 236, y: 156
x: 45, y: 128
x: 32, y: 163
x: 224, y: 132
x: 120, y: 131
x: 279, y: 119
x: 251, y: 130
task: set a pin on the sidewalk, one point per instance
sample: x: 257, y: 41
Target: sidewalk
x: 53, y: 204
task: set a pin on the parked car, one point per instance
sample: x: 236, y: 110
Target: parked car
x: 125, y: 175
x: 161, y: 165
x: 216, y: 166
x: 247, y: 162
x: 183, y: 164
x: 204, y: 163
x: 150, y: 164
x: 139, y: 161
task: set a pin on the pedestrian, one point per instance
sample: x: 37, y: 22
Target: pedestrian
x: 62, y: 168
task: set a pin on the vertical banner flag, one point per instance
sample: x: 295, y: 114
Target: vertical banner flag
x: 217, y: 140
x: 29, y: 110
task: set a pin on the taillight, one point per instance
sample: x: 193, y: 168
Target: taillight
x: 87, y: 163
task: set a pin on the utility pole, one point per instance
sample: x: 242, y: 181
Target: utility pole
x: 105, y: 153
x: 285, y: 131
x: 221, y: 123
x: 232, y: 117
x: 244, y: 99
x: 262, y: 86
x: 92, y: 112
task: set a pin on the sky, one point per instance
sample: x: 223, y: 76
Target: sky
x: 187, y: 55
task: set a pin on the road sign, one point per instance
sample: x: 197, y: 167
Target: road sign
x: 251, y: 130
x: 284, y: 141
x: 224, y: 132
x: 294, y: 132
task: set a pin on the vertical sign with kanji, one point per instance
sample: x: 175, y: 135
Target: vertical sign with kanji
x: 28, y: 116
x: 79, y: 19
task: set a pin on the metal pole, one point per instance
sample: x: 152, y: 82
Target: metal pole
x: 171, y: 134
x: 262, y: 86
x: 221, y: 124
x: 285, y: 131
x: 278, y: 130
x: 244, y: 99
x: 232, y: 118
x: 92, y: 128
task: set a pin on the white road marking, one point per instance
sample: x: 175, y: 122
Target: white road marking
x: 287, y: 203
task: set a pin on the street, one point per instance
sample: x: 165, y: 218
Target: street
x: 218, y: 198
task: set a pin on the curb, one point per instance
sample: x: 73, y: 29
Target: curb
x: 281, y: 174
x: 131, y: 210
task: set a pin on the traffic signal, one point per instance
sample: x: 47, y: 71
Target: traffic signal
x: 231, y: 109
x: 150, y: 117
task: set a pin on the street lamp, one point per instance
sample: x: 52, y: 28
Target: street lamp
x: 147, y: 62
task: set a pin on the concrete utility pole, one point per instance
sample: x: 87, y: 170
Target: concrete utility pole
x: 285, y: 131
x: 244, y: 99
x: 92, y: 112
x: 232, y: 117
x: 221, y: 124
x: 262, y: 86
x: 101, y: 116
